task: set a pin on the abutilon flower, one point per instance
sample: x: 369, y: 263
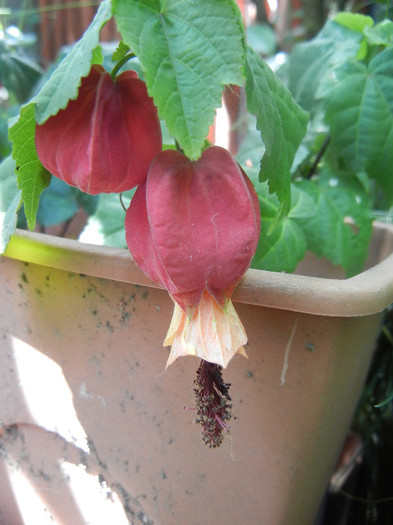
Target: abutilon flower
x: 194, y: 228
x: 105, y: 139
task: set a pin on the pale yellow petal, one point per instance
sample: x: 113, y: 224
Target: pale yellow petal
x: 212, y: 333
x: 178, y: 318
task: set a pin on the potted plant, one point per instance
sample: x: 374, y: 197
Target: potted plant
x: 84, y: 375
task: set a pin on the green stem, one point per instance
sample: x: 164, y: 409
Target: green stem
x: 22, y: 16
x: 319, y: 156
x: 366, y: 500
x: 178, y: 147
x: 121, y: 202
x: 121, y: 63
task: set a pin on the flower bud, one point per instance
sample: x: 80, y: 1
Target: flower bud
x: 105, y: 139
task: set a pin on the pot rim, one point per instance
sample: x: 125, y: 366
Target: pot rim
x: 367, y: 293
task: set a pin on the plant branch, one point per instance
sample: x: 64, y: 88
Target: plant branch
x: 121, y: 201
x: 320, y: 154
x: 366, y: 500
x: 121, y: 63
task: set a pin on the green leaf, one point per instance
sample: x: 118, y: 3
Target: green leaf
x: 310, y: 62
x: 359, y: 23
x: 18, y: 74
x: 64, y: 83
x: 282, y: 243
x: 251, y: 150
x: 341, y: 227
x: 5, y: 115
x: 32, y: 177
x: 359, y: 111
x: 10, y: 199
x: 381, y: 34
x: 120, y: 52
x: 106, y: 225
x: 58, y: 203
x: 282, y: 246
x: 281, y: 121
x: 85, y: 201
x: 54, y: 95
x: 262, y: 38
x: 188, y: 51
x: 354, y: 21
x: 97, y: 55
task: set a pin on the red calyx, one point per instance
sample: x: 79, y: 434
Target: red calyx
x: 194, y: 226
x: 105, y: 139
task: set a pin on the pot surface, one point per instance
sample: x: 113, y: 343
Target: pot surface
x: 86, y: 399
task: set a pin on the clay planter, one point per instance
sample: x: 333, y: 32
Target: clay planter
x: 87, y: 406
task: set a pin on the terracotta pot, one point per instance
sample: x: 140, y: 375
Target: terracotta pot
x: 94, y: 430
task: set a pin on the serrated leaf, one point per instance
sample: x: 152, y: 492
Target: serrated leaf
x: 97, y: 55
x: 251, y: 150
x: 282, y: 244
x: 188, y: 51
x: 310, y: 62
x: 32, y: 177
x: 303, y: 206
x: 286, y: 247
x: 10, y: 199
x: 381, y: 34
x: 120, y: 52
x: 341, y: 227
x: 281, y: 121
x: 64, y: 83
x: 359, y: 111
x: 18, y: 74
x: 355, y: 21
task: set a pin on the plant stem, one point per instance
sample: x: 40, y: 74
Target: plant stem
x: 366, y: 500
x: 320, y: 154
x: 121, y: 63
x: 178, y: 147
x: 65, y: 227
x: 121, y: 202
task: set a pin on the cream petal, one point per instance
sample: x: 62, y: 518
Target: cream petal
x: 212, y: 333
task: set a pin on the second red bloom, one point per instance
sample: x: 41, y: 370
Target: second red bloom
x: 105, y: 139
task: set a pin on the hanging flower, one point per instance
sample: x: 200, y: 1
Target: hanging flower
x: 194, y: 228
x: 105, y: 139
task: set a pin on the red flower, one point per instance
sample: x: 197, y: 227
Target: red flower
x: 105, y: 139
x: 194, y: 228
